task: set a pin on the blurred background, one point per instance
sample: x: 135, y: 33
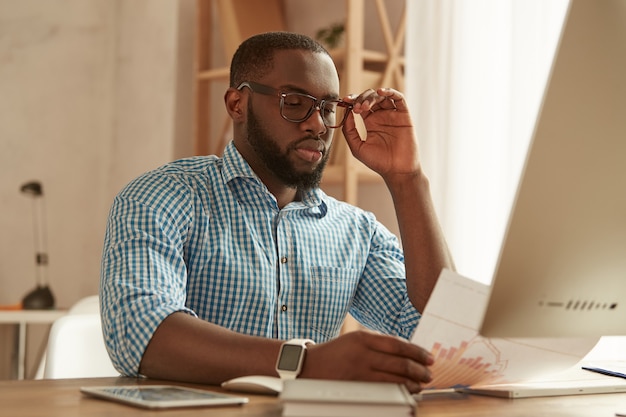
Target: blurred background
x: 95, y: 92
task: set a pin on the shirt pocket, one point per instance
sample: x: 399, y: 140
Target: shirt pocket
x: 333, y: 290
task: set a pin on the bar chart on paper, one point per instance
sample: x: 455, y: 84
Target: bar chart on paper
x: 463, y: 358
x: 468, y: 363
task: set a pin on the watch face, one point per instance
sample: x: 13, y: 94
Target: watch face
x: 289, y: 358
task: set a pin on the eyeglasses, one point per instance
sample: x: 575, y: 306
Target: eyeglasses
x: 297, y: 107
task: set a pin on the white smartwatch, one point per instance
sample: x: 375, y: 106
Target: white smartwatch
x: 291, y: 357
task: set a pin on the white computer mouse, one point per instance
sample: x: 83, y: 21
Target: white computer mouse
x: 255, y: 384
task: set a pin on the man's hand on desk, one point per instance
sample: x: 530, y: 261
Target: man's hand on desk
x: 368, y: 356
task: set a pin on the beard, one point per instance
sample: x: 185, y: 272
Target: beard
x: 278, y: 162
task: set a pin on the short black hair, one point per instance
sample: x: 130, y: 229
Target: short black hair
x: 255, y: 56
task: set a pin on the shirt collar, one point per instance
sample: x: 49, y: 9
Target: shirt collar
x: 235, y: 166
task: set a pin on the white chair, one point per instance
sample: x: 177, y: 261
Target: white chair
x: 76, y: 346
x: 87, y: 305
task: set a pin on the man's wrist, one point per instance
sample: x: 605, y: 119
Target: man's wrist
x: 291, y: 358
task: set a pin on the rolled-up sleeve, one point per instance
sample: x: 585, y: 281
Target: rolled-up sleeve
x: 143, y: 272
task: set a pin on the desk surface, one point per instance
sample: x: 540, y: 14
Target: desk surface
x: 56, y: 398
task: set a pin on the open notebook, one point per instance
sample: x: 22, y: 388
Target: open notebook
x: 505, y: 367
x: 574, y: 381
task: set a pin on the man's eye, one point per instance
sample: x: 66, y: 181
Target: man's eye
x: 293, y: 103
x: 294, y: 100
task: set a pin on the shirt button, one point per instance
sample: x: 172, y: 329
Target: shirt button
x: 283, y: 260
x: 283, y: 307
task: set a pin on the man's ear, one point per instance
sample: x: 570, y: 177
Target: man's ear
x: 236, y: 102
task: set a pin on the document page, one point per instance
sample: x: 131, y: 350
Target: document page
x: 463, y: 358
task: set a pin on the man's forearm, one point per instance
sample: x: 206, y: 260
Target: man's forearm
x: 189, y: 349
x: 426, y: 252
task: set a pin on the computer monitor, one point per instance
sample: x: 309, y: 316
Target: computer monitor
x: 562, y: 266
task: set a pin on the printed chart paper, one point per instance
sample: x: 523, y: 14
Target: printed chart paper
x: 463, y: 358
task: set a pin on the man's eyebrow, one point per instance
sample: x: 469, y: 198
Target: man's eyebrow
x: 288, y: 88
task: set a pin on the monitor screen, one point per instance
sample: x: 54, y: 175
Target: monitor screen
x: 562, y: 266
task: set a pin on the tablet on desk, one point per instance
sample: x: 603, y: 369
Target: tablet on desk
x: 162, y: 396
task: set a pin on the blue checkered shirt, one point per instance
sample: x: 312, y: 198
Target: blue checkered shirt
x: 204, y: 236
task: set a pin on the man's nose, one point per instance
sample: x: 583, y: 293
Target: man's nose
x: 315, y: 122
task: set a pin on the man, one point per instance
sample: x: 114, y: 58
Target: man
x: 210, y: 264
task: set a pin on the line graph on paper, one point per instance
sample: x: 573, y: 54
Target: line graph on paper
x: 449, y: 330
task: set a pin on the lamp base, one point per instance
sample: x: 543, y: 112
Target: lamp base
x: 40, y: 298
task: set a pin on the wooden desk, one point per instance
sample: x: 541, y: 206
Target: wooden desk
x: 61, y: 398
x: 22, y: 318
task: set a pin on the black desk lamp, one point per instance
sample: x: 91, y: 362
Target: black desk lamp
x: 41, y: 297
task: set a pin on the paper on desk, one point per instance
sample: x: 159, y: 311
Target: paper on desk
x: 449, y: 329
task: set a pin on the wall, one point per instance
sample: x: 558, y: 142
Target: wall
x: 55, y: 108
x: 92, y: 93
x: 88, y: 99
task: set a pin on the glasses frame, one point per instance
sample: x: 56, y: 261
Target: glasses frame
x: 318, y: 104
